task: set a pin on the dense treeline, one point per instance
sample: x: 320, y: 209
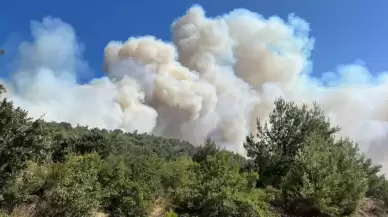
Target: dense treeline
x: 295, y: 166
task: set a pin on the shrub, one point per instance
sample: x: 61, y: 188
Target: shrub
x: 327, y: 178
x: 219, y: 189
x: 64, y: 189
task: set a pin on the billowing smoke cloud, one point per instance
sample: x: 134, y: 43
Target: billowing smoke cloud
x: 214, y: 79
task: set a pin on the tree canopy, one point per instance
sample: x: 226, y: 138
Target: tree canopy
x: 295, y: 165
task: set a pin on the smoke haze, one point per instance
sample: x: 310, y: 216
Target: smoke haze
x: 214, y: 79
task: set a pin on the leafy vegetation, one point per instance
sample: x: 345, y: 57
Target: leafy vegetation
x: 295, y: 166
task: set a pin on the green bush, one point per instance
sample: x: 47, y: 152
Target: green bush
x: 171, y: 214
x: 327, y: 178
x: 21, y: 140
x: 377, y: 184
x: 122, y: 196
x: 219, y: 189
x: 64, y: 189
x: 28, y: 186
x: 296, y: 152
x: 72, y: 188
x: 3, y: 214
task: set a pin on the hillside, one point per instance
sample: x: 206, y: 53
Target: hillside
x: 296, y: 168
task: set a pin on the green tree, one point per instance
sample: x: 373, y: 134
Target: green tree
x: 281, y: 138
x: 327, y: 178
x: 21, y: 140
x: 377, y: 184
x: 219, y: 188
x: 72, y: 188
x: 92, y: 141
x: 123, y: 196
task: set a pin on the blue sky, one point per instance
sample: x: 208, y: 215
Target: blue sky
x: 345, y: 30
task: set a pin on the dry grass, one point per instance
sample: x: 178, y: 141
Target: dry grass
x: 371, y: 208
x: 100, y: 214
x: 30, y: 211
x: 24, y: 211
x: 159, y: 208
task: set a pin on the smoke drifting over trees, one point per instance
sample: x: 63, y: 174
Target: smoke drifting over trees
x: 213, y: 80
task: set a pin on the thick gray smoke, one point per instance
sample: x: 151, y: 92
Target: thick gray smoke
x: 215, y: 78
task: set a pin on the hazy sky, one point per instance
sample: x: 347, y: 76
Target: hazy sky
x: 192, y: 109
x: 345, y: 30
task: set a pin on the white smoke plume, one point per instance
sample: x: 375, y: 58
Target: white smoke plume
x: 214, y: 79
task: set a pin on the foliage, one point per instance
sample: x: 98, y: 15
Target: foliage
x: 326, y: 179
x: 21, y: 140
x: 128, y: 189
x: 54, y: 169
x: 214, y: 186
x: 296, y: 151
x: 171, y: 214
x: 282, y: 137
x: 64, y: 189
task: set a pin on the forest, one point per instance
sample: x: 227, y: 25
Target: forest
x: 295, y: 166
